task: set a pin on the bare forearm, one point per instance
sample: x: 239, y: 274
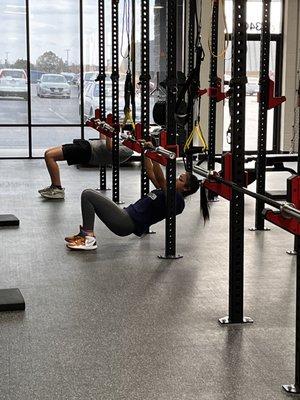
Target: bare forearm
x: 155, y: 173
x: 108, y: 143
x: 159, y: 175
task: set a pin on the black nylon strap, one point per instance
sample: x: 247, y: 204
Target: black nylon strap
x: 128, y: 91
x: 191, y: 86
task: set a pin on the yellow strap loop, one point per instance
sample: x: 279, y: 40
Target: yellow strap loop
x: 199, y: 133
x: 128, y: 118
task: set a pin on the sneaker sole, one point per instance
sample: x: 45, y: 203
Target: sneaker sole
x: 81, y: 248
x: 55, y: 197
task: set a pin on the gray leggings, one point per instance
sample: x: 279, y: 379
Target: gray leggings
x: 115, y: 218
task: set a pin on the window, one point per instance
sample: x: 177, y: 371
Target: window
x: 254, y: 18
x: 13, y: 65
x: 54, y: 44
x: 56, y: 64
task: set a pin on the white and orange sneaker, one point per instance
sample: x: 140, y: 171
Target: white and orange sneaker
x: 74, y: 237
x: 83, y: 243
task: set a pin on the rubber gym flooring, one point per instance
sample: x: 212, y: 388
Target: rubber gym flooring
x: 119, y: 323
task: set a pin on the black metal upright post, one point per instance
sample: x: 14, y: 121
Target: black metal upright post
x: 115, y: 100
x: 238, y: 86
x: 191, y: 64
x: 294, y: 252
x: 263, y: 114
x: 213, y: 79
x: 81, y: 69
x: 295, y: 388
x: 145, y: 89
x: 28, y: 80
x: 133, y: 63
x: 170, y: 230
x: 101, y: 31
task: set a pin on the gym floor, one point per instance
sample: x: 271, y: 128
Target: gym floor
x: 119, y: 323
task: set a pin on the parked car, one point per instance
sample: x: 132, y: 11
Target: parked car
x: 90, y: 76
x: 91, y: 97
x: 69, y: 76
x: 252, y: 86
x: 13, y: 83
x: 53, y: 85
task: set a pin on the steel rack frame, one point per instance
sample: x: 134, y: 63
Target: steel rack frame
x: 295, y: 388
x: 263, y: 113
x: 237, y: 212
x: 191, y: 62
x: 102, y: 76
x: 170, y: 226
x: 213, y: 83
x: 145, y: 89
x: 115, y: 101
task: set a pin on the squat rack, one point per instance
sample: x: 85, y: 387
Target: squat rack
x: 102, y: 76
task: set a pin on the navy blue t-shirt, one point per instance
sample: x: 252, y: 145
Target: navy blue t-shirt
x: 151, y: 209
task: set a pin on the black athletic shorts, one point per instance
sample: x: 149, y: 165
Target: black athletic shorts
x: 78, y: 152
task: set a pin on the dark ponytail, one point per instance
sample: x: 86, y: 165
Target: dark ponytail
x: 192, y: 186
x: 204, y: 203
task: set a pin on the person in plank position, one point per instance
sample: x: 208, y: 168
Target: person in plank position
x: 93, y: 152
x: 137, y: 217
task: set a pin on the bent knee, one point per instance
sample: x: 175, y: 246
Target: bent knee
x: 86, y: 193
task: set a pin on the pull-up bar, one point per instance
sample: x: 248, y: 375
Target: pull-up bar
x: 142, y: 145
x: 136, y: 144
x: 287, y: 210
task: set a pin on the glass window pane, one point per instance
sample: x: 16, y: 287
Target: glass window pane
x: 254, y: 15
x: 13, y: 63
x: 44, y: 138
x: 252, y: 88
x: 91, y: 56
x: 14, y: 142
x: 55, y: 60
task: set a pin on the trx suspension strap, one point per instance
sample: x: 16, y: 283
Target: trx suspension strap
x: 192, y: 84
x: 128, y: 87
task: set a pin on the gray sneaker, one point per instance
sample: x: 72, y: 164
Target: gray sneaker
x: 53, y: 193
x: 44, y: 190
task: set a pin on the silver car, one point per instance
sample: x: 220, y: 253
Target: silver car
x: 53, y: 85
x: 13, y: 83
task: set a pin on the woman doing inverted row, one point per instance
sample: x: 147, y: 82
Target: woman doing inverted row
x: 137, y: 217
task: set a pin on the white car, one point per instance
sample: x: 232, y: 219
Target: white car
x: 91, y: 97
x: 13, y: 83
x: 53, y: 85
x: 90, y: 76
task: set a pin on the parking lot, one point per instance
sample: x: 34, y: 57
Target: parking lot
x: 44, y: 110
x: 66, y: 111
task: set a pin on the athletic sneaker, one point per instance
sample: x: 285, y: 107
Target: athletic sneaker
x: 74, y: 237
x: 83, y: 243
x: 45, y: 189
x: 53, y: 193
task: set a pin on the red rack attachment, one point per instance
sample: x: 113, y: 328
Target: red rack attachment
x: 216, y: 92
x: 219, y: 188
x: 201, y: 92
x: 273, y: 101
x: 288, y: 224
